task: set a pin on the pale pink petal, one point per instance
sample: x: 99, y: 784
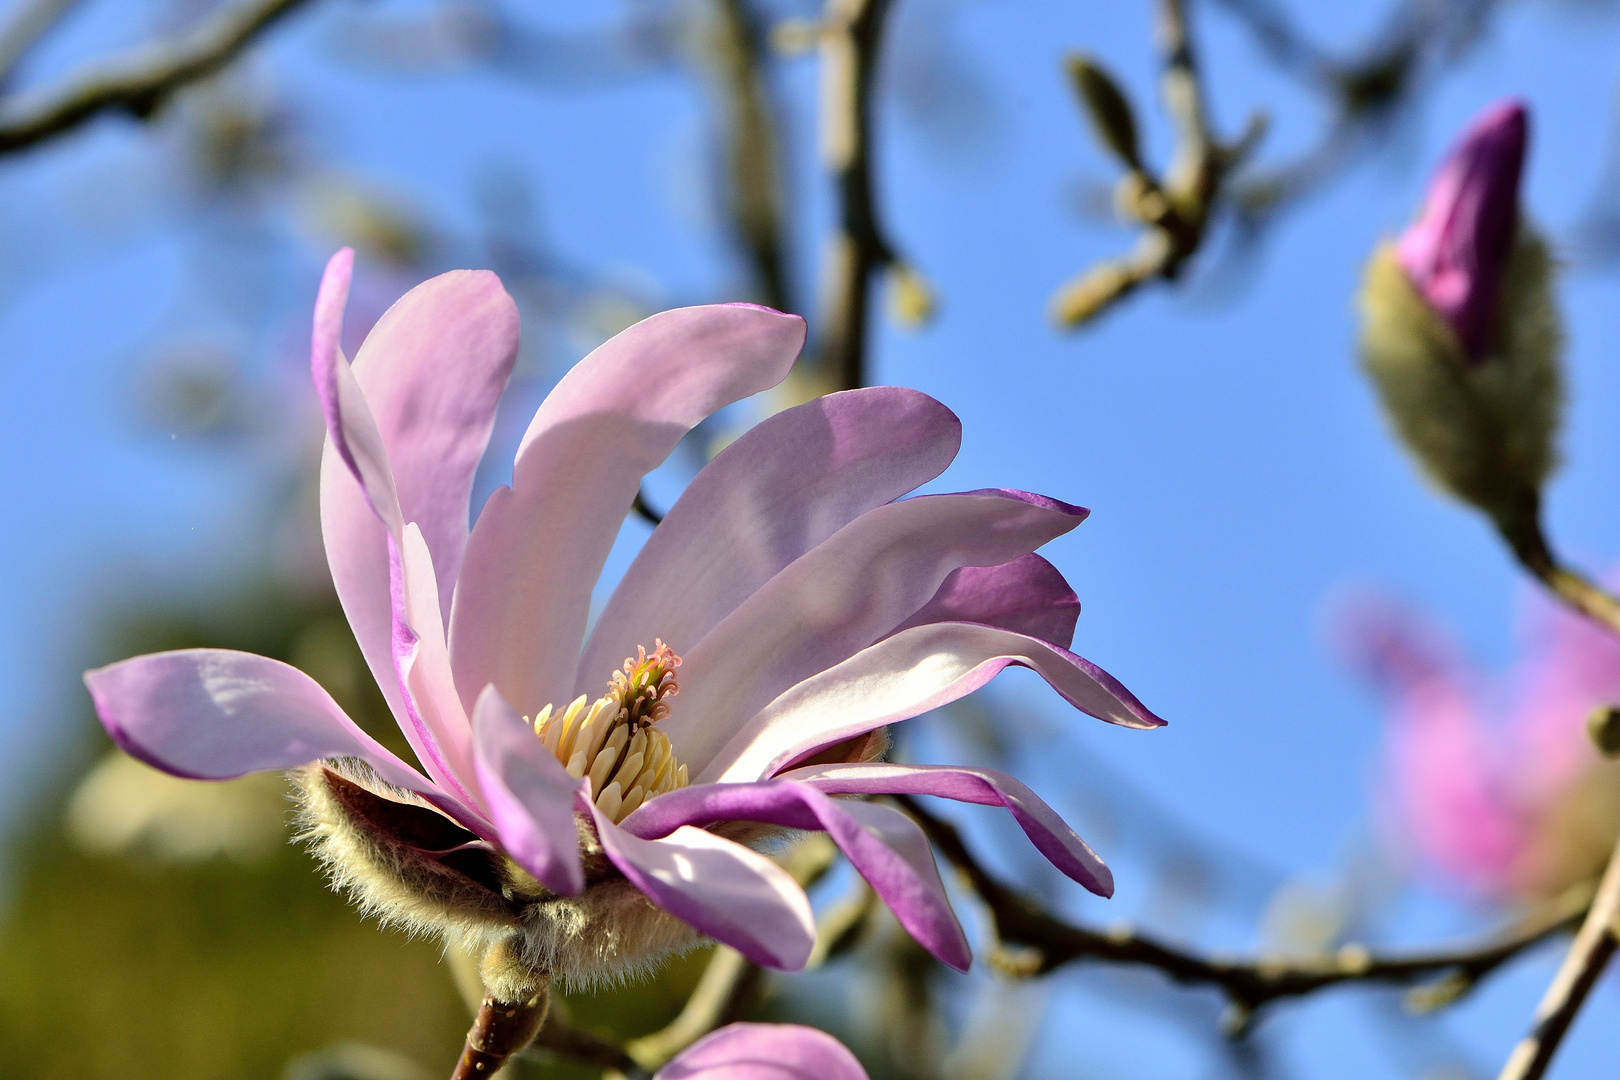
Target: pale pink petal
x: 882, y: 844
x: 900, y: 677
x: 530, y: 796
x: 538, y: 546
x: 842, y: 596
x: 764, y: 1052
x: 736, y: 896
x: 1027, y: 596
x: 778, y: 491
x: 437, y: 727
x: 431, y: 371
x: 1049, y: 833
x: 351, y: 429
x: 215, y: 714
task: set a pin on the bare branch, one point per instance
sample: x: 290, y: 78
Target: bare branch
x: 29, y: 21
x: 1594, y: 944
x: 1175, y: 210
x: 141, y: 80
x: 1248, y: 984
x: 850, y: 43
x: 736, y: 54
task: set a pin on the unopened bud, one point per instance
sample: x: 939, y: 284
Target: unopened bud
x: 1110, y: 111
x: 1603, y: 725
x: 1457, y: 251
x: 1460, y: 334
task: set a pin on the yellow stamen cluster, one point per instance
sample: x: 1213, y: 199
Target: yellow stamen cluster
x: 613, y: 742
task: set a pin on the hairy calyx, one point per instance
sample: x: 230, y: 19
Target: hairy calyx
x: 613, y: 741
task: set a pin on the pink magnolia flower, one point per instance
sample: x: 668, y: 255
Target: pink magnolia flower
x: 1456, y: 251
x: 1509, y: 800
x: 764, y: 1052
x: 796, y: 603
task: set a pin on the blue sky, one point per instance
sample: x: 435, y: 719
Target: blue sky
x: 1239, y: 473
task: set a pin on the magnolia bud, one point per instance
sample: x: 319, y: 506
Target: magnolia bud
x: 1459, y: 331
x: 1107, y: 106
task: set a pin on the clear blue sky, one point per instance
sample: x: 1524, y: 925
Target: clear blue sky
x: 1238, y: 471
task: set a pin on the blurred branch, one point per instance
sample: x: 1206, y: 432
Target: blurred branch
x: 561, y: 1038
x: 1525, y: 536
x: 754, y: 193
x: 851, y: 39
x: 1175, y: 209
x: 731, y: 982
x: 727, y: 984
x: 30, y: 21
x: 1594, y: 944
x: 1248, y: 984
x: 139, y: 81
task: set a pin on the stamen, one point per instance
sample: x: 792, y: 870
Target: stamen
x: 613, y: 741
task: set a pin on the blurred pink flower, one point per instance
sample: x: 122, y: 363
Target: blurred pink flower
x: 1492, y: 780
x: 1456, y: 251
x: 814, y: 607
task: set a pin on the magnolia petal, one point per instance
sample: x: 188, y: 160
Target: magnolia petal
x: 782, y: 488
x: 905, y: 675
x: 216, y: 714
x: 734, y: 895
x: 538, y: 546
x: 764, y: 1052
x: 844, y: 595
x: 1026, y: 596
x: 1050, y: 834
x: 437, y: 726
x: 432, y: 371
x: 529, y: 794
x: 885, y: 847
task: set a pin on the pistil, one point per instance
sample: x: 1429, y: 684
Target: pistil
x: 613, y: 740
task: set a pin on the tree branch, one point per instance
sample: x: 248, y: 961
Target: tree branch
x: 1594, y: 944
x: 736, y: 54
x: 851, y: 39
x: 140, y: 81
x: 1174, y: 210
x: 1247, y: 984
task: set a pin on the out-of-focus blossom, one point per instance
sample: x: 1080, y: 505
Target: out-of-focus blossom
x: 1493, y: 780
x: 1460, y: 334
x: 764, y: 1052
x: 579, y: 829
x: 1457, y: 251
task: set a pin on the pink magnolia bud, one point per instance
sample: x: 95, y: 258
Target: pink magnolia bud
x: 1456, y: 252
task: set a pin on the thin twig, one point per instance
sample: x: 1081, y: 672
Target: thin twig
x: 728, y: 981
x: 28, y: 22
x: 1174, y: 211
x: 851, y: 40
x: 139, y: 81
x: 1251, y: 983
x: 731, y: 983
x: 561, y: 1038
x: 1594, y: 944
x: 737, y: 54
x: 1527, y: 539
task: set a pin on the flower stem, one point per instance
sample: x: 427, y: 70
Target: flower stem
x: 501, y: 1029
x: 1594, y: 944
x: 1523, y: 533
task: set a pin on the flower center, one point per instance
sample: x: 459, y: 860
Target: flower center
x: 613, y: 740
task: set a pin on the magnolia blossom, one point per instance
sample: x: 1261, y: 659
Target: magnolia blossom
x: 1510, y: 801
x: 764, y: 1052
x: 1457, y: 251
x: 591, y: 793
